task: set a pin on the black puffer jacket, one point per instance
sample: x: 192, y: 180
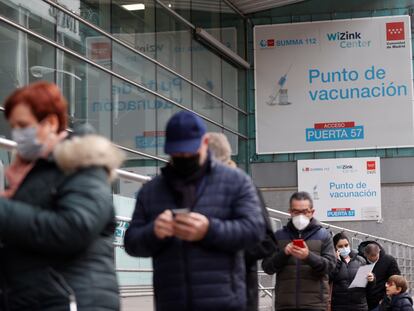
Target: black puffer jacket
x: 261, y: 250
x: 383, y: 269
x: 343, y: 297
x: 58, y: 230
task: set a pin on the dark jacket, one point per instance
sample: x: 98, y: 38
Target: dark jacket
x: 57, y: 232
x: 401, y: 302
x: 302, y: 284
x: 263, y: 249
x: 383, y: 269
x: 209, y: 274
x: 343, y: 297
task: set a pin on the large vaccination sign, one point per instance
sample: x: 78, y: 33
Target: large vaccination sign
x: 334, y: 85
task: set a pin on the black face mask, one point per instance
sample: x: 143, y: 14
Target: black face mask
x: 186, y: 166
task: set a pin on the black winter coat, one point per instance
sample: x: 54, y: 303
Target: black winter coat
x: 57, y: 233
x: 263, y: 249
x: 383, y: 269
x: 343, y: 297
x: 206, y: 275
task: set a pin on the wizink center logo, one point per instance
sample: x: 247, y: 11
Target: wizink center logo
x: 344, y: 36
x: 267, y: 43
x: 395, y: 34
x: 348, y: 40
x: 346, y: 168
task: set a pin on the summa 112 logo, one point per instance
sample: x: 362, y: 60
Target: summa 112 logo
x: 267, y: 43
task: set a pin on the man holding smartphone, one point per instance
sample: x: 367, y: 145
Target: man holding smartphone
x: 195, y: 220
x: 303, y: 260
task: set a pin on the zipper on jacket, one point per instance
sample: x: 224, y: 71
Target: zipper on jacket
x: 187, y: 278
x: 62, y: 286
x: 298, y: 265
x: 297, y: 282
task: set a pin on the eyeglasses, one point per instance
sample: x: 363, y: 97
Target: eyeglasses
x: 300, y: 212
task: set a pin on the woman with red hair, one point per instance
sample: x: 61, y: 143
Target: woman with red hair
x: 57, y: 217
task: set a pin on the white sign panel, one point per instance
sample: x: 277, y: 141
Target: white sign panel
x: 342, y: 189
x: 334, y: 85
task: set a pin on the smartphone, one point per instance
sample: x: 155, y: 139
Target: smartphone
x: 299, y: 243
x: 181, y: 211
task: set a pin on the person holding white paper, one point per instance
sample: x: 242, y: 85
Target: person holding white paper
x: 385, y: 266
x: 347, y: 264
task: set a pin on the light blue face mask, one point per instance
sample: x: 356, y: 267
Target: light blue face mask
x: 344, y: 252
x: 28, y: 147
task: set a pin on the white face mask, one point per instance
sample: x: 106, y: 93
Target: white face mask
x: 300, y: 222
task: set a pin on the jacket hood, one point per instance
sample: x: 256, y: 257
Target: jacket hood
x: 86, y: 151
x: 353, y: 254
x: 362, y: 246
x: 403, y: 296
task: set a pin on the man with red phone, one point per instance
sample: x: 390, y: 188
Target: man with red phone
x: 303, y: 260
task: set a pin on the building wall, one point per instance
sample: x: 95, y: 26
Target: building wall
x: 277, y: 173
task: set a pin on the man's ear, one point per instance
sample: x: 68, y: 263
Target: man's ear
x: 205, y: 139
x: 399, y: 289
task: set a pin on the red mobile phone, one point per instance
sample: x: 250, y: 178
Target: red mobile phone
x: 299, y: 243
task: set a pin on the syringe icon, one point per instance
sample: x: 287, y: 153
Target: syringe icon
x: 280, y: 84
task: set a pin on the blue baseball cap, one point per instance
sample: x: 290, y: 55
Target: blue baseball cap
x: 184, y: 133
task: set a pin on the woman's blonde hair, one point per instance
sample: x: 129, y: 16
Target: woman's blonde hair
x: 220, y: 147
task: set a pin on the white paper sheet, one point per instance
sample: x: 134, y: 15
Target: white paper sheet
x: 360, y: 279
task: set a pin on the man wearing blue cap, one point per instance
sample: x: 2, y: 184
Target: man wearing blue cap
x: 194, y: 220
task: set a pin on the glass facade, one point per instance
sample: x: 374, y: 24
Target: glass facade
x: 154, y: 66
x: 126, y: 72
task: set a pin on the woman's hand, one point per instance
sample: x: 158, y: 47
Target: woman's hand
x: 338, y: 254
x: 370, y: 277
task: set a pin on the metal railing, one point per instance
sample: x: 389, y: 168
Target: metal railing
x: 404, y: 253
x: 401, y: 251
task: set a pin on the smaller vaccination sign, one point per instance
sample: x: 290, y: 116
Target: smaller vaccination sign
x: 342, y: 189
